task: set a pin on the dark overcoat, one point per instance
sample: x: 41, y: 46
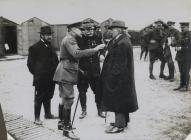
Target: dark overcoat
x: 117, y: 84
x: 42, y: 62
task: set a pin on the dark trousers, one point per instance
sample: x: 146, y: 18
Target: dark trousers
x: 169, y: 61
x: 121, y: 120
x: 43, y: 95
x: 84, y: 81
x: 184, y: 69
x: 154, y: 55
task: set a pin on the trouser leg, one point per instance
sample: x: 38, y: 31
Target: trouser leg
x: 47, y: 107
x: 120, y: 120
x: 37, y: 103
x: 162, y: 68
x: 83, y: 100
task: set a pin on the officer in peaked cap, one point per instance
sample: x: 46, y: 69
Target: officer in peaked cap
x: 183, y: 56
x: 90, y: 68
x: 67, y: 72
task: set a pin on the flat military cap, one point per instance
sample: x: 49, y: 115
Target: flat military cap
x: 170, y: 23
x: 76, y: 24
x: 184, y: 23
x: 158, y: 21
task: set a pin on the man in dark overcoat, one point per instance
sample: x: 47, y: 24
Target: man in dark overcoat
x: 89, y: 68
x: 183, y: 56
x: 42, y: 62
x: 117, y: 84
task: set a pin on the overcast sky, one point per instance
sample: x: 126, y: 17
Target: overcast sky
x: 136, y: 13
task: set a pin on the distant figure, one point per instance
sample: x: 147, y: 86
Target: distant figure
x: 156, y: 39
x: 183, y: 57
x: 144, y: 42
x: 117, y: 85
x: 172, y: 40
x: 42, y: 62
x: 66, y: 74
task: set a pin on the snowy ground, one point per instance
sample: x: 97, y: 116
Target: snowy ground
x: 163, y: 114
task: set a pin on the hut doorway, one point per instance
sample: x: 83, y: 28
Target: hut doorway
x: 10, y: 34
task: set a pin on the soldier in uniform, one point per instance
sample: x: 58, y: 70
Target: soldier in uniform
x: 156, y: 39
x: 183, y: 56
x: 42, y: 62
x: 172, y: 39
x: 144, y: 41
x: 89, y: 68
x: 67, y: 72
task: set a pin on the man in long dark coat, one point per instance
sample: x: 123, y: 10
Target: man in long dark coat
x: 117, y: 84
x: 42, y: 62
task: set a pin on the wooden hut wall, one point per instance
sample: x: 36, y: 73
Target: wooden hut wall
x: 2, y: 50
x: 60, y: 32
x: 28, y: 34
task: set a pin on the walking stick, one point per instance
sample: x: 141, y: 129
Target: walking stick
x: 75, y: 109
x: 105, y: 116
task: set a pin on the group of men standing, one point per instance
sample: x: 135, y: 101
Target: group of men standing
x: 158, y: 39
x: 79, y: 64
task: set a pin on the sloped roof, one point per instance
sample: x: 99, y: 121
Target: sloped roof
x: 6, y: 21
x: 34, y: 18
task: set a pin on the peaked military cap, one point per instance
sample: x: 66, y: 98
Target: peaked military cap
x: 158, y: 21
x: 76, y: 24
x: 184, y: 23
x: 170, y: 23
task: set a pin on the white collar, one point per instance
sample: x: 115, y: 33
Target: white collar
x: 44, y: 42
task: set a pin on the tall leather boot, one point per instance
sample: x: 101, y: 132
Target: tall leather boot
x: 67, y: 129
x: 83, y: 100
x: 171, y: 72
x: 37, y: 109
x: 162, y: 70
x: 47, y: 110
x: 60, y: 116
x: 151, y: 76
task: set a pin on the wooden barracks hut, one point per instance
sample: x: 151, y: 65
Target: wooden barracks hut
x: 8, y: 37
x: 28, y: 34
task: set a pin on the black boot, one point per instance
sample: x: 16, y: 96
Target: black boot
x: 151, y: 76
x: 60, y: 115
x: 100, y: 112
x: 83, y: 104
x: 178, y: 88
x: 84, y: 113
x: 37, y: 109
x: 67, y: 129
x: 47, y: 108
x: 162, y: 70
